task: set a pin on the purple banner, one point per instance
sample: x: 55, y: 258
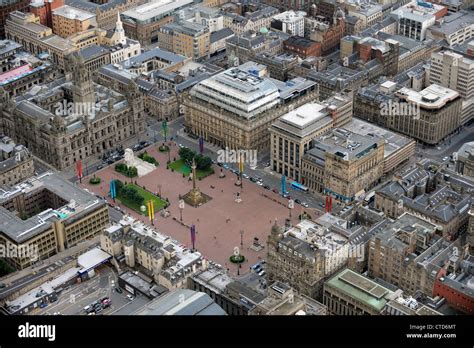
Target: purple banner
x: 201, y: 145
x: 193, y: 235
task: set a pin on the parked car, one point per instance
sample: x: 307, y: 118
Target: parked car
x: 245, y: 176
x: 275, y: 191
x: 266, y: 187
x: 43, y: 305
x: 297, y: 201
x: 119, y: 290
x: 306, y: 205
x: 262, y: 273
x: 130, y: 297
x: 259, y: 183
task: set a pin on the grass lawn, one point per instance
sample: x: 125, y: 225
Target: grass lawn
x: 158, y: 203
x: 179, y: 166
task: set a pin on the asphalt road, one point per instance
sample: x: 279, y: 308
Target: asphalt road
x: 446, y: 148
x: 73, y: 300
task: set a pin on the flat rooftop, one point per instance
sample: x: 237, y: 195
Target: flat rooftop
x: 432, y: 97
x: 73, y: 13
x: 454, y: 22
x: 79, y: 202
x: 393, y: 141
x: 157, y: 8
x: 418, y: 10
x: 346, y: 144
x: 182, y: 302
x: 305, y: 115
x: 360, y: 288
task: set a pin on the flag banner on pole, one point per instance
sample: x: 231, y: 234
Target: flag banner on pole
x: 152, y: 204
x: 79, y: 169
x: 283, y: 184
x: 241, y: 164
x: 201, y: 145
x: 193, y: 234
x: 113, y: 192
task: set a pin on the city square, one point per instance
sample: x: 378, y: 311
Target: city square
x: 218, y: 222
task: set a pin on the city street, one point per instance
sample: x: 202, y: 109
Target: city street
x: 72, y: 300
x: 450, y: 145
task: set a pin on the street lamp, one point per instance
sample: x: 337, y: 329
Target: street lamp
x: 241, y: 239
x: 159, y: 190
x: 181, y: 207
x: 291, y: 205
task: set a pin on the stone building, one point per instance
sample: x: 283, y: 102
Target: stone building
x: 16, y: 162
x: 343, y: 164
x: 259, y: 18
x: 305, y: 255
x: 24, y: 28
x: 454, y: 71
x: 437, y: 196
x: 44, y: 10
x: 20, y: 70
x: 350, y: 293
x: 8, y: 7
x: 71, y: 120
x: 247, y: 45
x: 429, y: 115
x: 105, y: 12
x: 236, y: 107
x: 291, y: 136
x: 283, y: 300
x: 464, y: 159
x: 185, y: 38
x: 143, y: 22
x: 69, y: 20
x: 45, y: 215
x: 141, y: 247
x: 410, y: 254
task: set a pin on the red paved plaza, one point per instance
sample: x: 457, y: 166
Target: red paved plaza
x: 218, y: 222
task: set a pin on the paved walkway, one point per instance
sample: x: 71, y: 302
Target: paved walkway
x: 218, y: 222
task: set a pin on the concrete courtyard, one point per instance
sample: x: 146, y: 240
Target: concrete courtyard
x: 218, y: 222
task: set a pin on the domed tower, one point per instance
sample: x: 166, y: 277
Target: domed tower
x: 313, y: 10
x: 275, y: 236
x: 338, y: 14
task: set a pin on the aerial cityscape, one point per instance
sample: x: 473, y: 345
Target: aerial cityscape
x: 236, y: 158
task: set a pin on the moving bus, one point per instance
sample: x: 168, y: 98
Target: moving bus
x: 369, y: 198
x: 298, y: 186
